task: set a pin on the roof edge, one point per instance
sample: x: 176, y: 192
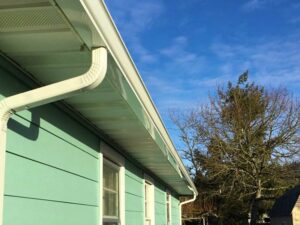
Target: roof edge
x: 102, y: 20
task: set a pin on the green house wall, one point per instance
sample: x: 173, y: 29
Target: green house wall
x: 51, y: 166
x: 52, y: 169
x: 134, y: 195
x: 175, y: 217
x: 160, y: 205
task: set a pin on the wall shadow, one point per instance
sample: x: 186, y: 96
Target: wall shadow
x: 31, y: 132
x: 13, y: 81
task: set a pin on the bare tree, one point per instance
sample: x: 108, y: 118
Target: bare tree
x: 241, y: 141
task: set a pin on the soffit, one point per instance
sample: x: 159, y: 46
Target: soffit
x: 37, y: 36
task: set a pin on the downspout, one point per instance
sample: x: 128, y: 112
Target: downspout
x: 186, y: 202
x: 44, y: 95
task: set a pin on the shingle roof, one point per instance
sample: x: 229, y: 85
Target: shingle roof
x: 285, y: 204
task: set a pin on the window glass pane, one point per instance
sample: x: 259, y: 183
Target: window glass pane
x: 147, y: 200
x: 146, y: 192
x: 168, y: 208
x: 146, y: 210
x: 110, y: 193
x: 110, y: 201
x: 168, y: 212
x: 148, y: 204
x: 110, y: 177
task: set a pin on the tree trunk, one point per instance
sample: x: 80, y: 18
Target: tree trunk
x: 254, y: 215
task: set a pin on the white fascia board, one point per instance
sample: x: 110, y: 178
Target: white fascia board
x: 102, y: 20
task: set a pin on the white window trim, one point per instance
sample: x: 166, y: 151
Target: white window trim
x: 149, y: 180
x: 170, y: 207
x: 109, y: 153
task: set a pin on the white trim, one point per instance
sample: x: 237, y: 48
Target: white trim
x: 186, y: 202
x: 100, y: 187
x: 117, y: 219
x: 109, y: 155
x: 169, y: 208
x: 45, y: 95
x: 122, y: 195
x: 150, y: 181
x: 148, y: 178
x: 103, y: 22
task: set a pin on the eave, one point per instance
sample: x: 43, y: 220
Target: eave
x: 54, y: 41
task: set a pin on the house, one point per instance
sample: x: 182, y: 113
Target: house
x: 81, y: 141
x: 286, y: 210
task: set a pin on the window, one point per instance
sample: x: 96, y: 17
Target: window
x: 149, y: 203
x: 110, y: 193
x: 168, y: 203
x: 112, y: 187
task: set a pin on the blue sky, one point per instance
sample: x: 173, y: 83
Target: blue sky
x: 185, y: 48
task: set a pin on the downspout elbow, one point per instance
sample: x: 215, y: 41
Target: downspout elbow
x: 5, y: 114
x: 187, y: 201
x: 44, y: 95
x: 63, y: 89
x: 97, y: 71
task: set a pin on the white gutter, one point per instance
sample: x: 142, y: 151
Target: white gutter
x: 186, y: 202
x: 44, y: 95
x: 103, y: 22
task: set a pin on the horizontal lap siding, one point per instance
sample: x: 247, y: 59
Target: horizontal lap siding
x: 36, y: 212
x: 52, y: 149
x: 160, y: 206
x: 134, y: 195
x: 30, y: 179
x: 175, y: 218
x: 52, y: 170
x: 134, y: 199
x: 51, y: 166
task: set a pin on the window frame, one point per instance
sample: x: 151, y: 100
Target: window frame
x: 168, y: 207
x: 110, y: 157
x: 151, y: 202
x: 116, y: 168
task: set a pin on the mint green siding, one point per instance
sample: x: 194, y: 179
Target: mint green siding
x: 175, y: 211
x: 52, y: 169
x: 134, y: 199
x: 29, y: 211
x: 51, y: 166
x: 160, y: 206
x: 134, y: 195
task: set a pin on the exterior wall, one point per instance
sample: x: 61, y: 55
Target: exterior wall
x: 160, y: 205
x: 134, y: 195
x: 175, y: 218
x: 51, y: 166
x: 281, y: 221
x: 296, y: 212
x: 52, y: 170
x: 134, y: 199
